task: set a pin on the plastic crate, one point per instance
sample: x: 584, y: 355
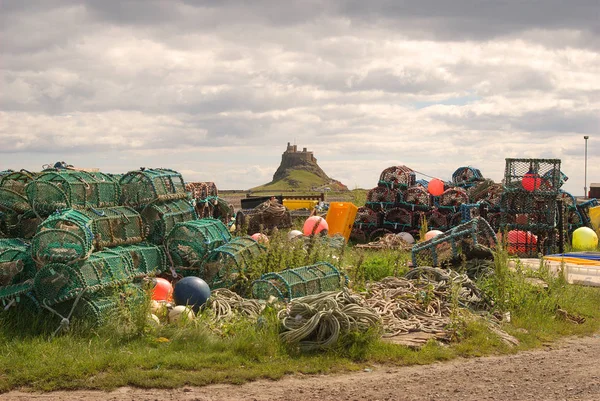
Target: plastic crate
x: 295, y: 204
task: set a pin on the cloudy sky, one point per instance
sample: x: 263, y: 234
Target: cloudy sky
x: 215, y: 89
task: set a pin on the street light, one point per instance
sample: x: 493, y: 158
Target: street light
x: 585, y: 193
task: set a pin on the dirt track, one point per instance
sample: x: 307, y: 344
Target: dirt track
x: 569, y: 370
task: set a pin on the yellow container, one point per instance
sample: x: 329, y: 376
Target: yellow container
x: 295, y: 204
x: 340, y: 218
x: 595, y: 218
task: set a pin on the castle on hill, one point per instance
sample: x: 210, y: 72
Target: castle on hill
x: 292, y: 153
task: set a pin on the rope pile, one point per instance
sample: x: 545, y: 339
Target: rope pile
x: 420, y: 302
x: 226, y: 304
x: 316, y: 322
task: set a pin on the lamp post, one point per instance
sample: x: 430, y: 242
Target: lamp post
x: 585, y: 193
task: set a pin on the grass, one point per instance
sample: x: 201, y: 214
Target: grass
x: 127, y: 351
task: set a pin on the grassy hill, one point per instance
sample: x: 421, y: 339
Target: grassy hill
x: 297, y: 180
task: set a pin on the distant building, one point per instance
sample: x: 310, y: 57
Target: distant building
x: 291, y: 153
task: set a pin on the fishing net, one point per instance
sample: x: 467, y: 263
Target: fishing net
x: 472, y: 238
x: 453, y: 197
x: 189, y: 243
x: 397, y: 177
x: 147, y: 186
x: 226, y: 266
x: 159, y: 219
x: 299, y: 282
x: 59, y: 282
x: 466, y: 177
x: 63, y: 189
x: 398, y: 220
x: 202, y: 190
x: 533, y: 175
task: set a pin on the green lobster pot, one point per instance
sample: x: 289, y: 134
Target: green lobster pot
x: 59, y: 282
x: 96, y: 308
x: 147, y: 186
x: 58, y: 190
x: 226, y: 264
x: 160, y: 219
x: 299, y: 282
x: 17, y: 181
x: 189, y: 243
x: 16, y: 264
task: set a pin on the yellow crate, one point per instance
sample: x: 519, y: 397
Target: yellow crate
x: 340, y: 218
x: 295, y: 204
x: 595, y: 218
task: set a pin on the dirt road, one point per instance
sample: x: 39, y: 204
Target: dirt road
x: 569, y: 370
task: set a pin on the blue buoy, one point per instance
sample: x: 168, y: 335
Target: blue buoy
x: 191, y: 291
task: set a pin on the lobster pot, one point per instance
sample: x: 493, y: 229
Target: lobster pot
x: 486, y: 191
x: 453, y: 197
x: 469, y: 211
x: 299, y: 282
x: 14, y: 225
x: 96, y: 308
x: 18, y: 293
x: 57, y: 190
x: 533, y: 175
x: 366, y: 216
x: 398, y: 220
x: 584, y: 211
x: 190, y: 242
x: 16, y: 181
x: 59, y: 282
x: 16, y: 264
x: 264, y: 218
x: 473, y: 238
x: 397, y: 177
x: 115, y: 226
x: 202, y: 190
x: 159, y: 219
x: 148, y: 186
x: 6, y: 243
x: 437, y: 220
x: 528, y: 210
x: 13, y: 202
x: 573, y: 219
x: 383, y: 195
x: 417, y: 196
x: 64, y: 237
x: 359, y: 235
x: 226, y: 264
x: 567, y: 199
x: 466, y: 177
x: 214, y: 207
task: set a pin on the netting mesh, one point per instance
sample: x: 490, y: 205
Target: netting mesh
x: 382, y: 195
x: 57, y: 190
x: 159, y: 219
x: 225, y: 267
x: 584, y: 211
x: 147, y: 186
x: 529, y: 211
x: 533, y: 175
x: 474, y: 236
x: 299, y: 282
x: 417, y: 196
x: 17, y: 180
x: 453, y: 197
x: 265, y: 217
x: 15, y: 292
x: 115, y: 226
x: 398, y: 219
x: 58, y: 282
x: 214, y: 207
x: 189, y: 243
